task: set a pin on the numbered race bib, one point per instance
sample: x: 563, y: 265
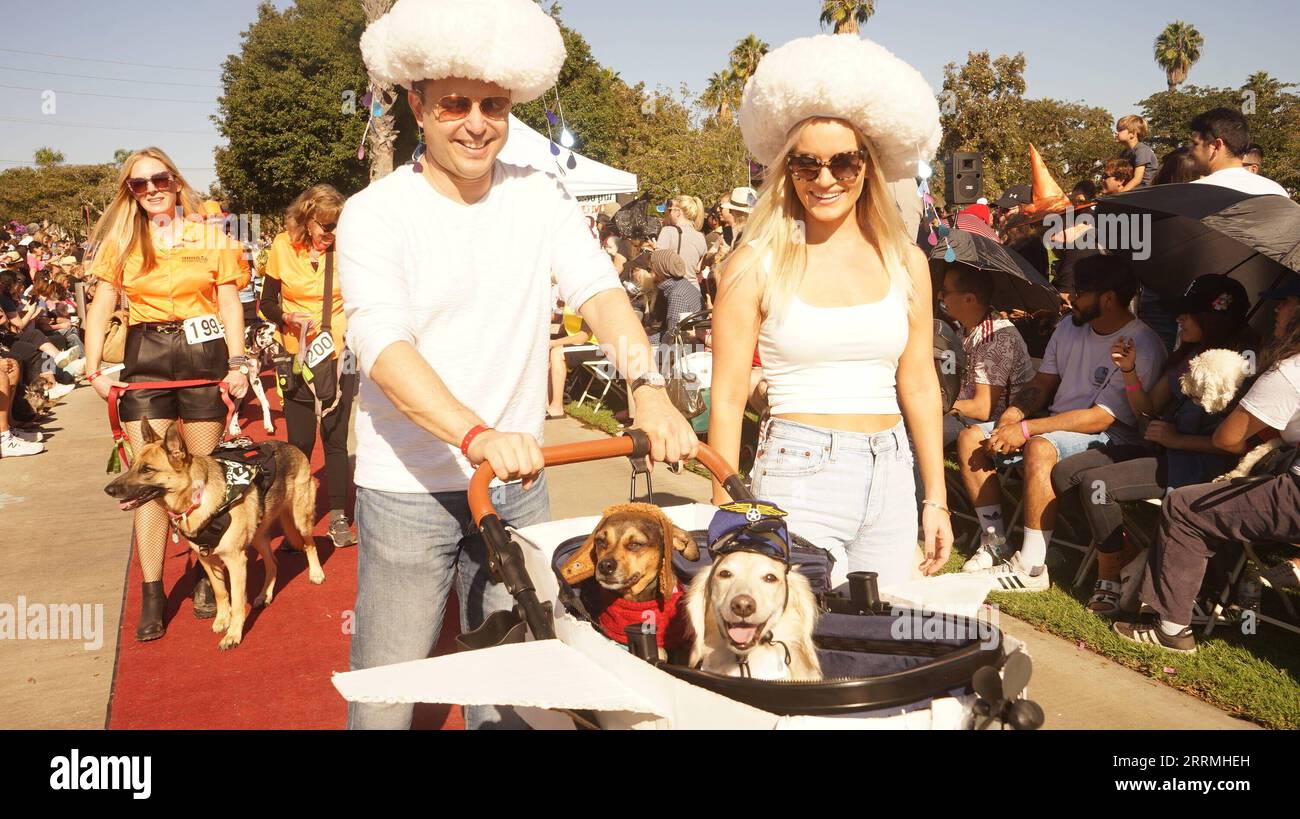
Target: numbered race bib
x: 204, y: 328
x: 321, y: 348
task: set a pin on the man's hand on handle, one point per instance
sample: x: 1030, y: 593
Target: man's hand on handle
x: 671, y: 437
x: 512, y: 455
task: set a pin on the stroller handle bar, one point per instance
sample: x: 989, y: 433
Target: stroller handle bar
x: 505, y: 559
x: 633, y: 444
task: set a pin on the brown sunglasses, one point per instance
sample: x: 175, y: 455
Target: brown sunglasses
x: 162, y: 181
x: 844, y: 167
x: 453, y: 107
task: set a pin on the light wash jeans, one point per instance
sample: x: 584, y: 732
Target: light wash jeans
x: 405, y: 568
x: 848, y: 492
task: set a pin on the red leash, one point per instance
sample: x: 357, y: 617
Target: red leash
x: 115, y: 395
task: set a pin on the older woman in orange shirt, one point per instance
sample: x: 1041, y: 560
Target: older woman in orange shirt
x: 298, y: 264
x: 178, y: 277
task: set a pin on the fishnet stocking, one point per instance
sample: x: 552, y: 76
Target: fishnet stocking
x: 151, y: 524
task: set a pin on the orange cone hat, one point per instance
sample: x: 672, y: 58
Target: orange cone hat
x: 1047, y: 196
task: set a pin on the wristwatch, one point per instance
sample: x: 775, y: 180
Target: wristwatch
x: 651, y: 379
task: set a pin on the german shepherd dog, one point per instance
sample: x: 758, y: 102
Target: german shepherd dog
x: 193, y: 487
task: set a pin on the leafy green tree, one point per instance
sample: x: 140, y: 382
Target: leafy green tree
x: 847, y: 16
x: 983, y: 109
x: 57, y: 193
x: 47, y: 157
x: 1176, y: 50
x: 120, y: 155
x: 745, y: 58
x: 290, y: 108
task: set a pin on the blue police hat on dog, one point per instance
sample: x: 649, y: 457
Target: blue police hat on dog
x: 752, y: 526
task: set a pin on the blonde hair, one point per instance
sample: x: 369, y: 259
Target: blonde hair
x: 774, y: 229
x: 1135, y: 125
x: 645, y: 281
x: 124, y: 225
x: 692, y: 209
x: 317, y: 202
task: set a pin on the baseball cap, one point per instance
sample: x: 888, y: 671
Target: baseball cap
x: 1290, y: 288
x: 1017, y: 195
x: 750, y: 526
x: 1212, y: 293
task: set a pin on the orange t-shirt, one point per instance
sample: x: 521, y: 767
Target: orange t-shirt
x: 183, y: 283
x: 302, y: 288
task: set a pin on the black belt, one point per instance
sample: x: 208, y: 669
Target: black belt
x: 165, y: 327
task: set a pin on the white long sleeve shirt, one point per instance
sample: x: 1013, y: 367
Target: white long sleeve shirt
x: 469, y: 287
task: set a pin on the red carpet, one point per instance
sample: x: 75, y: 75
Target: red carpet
x: 279, y: 676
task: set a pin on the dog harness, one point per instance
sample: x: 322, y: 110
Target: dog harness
x: 244, y: 465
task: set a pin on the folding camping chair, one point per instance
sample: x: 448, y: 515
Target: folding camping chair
x: 603, y: 372
x: 1216, y: 613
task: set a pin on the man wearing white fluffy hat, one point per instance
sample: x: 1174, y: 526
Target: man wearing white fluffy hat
x: 836, y: 295
x: 446, y: 270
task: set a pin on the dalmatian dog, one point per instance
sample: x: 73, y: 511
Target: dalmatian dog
x: 261, y: 348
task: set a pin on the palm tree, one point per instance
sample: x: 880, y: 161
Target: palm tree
x: 745, y: 57
x: 847, y: 16
x: 720, y: 94
x: 382, y: 135
x: 1177, y: 49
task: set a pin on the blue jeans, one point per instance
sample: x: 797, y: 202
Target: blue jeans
x: 850, y: 493
x: 1065, y: 443
x: 412, y: 546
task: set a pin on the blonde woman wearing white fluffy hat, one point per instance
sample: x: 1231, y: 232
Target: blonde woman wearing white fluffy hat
x: 837, y: 298
x: 446, y: 269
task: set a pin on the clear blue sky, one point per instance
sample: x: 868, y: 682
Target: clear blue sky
x: 1098, y: 52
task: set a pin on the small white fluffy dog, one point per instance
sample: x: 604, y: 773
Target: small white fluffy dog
x: 1212, y: 381
x: 750, y: 618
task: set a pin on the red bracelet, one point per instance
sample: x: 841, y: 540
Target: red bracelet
x: 470, y: 436
x: 1133, y: 387
x: 1024, y: 430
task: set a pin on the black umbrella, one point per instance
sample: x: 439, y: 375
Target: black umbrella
x: 633, y: 222
x: 1016, y: 284
x: 1200, y: 229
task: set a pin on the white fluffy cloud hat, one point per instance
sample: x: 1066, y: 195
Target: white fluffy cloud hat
x: 849, y: 78
x: 512, y: 43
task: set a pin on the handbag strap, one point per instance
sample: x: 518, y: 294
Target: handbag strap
x: 327, y: 298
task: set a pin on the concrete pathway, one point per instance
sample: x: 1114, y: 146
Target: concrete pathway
x: 68, y: 544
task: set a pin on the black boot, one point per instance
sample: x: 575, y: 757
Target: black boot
x: 152, y: 605
x: 205, y: 602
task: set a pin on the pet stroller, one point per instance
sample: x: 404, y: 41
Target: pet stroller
x: 884, y: 666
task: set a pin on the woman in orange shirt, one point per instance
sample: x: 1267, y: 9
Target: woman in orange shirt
x: 293, y: 297
x: 178, y: 276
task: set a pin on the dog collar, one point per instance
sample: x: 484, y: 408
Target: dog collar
x: 181, y: 518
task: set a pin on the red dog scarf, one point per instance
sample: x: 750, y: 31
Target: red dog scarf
x: 670, y: 625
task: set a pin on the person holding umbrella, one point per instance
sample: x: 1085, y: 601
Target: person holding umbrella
x: 1198, y: 521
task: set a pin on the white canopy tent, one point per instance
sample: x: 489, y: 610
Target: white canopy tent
x: 589, y: 178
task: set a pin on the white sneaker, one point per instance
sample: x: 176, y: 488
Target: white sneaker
x: 59, y: 390
x: 1013, y: 576
x: 12, y: 446
x: 35, y: 436
x: 76, y: 368
x: 987, y: 556
x: 62, y: 357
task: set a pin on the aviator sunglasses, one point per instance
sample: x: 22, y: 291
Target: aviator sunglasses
x: 162, y: 181
x: 844, y: 167
x: 453, y: 107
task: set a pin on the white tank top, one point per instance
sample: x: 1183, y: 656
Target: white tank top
x: 835, y: 360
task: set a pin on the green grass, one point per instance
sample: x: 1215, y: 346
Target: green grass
x: 1255, y: 677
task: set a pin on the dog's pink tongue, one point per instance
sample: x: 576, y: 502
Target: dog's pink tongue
x: 125, y: 506
x: 741, y: 635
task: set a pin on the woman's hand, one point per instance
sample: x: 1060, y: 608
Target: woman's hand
x: 237, y: 382
x: 103, y: 384
x: 1163, y: 433
x: 936, y: 529
x: 1124, y: 354
x: 297, y: 321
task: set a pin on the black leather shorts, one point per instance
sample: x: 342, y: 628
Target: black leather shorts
x: 159, y: 352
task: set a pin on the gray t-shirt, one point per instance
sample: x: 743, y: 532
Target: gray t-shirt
x: 692, y: 247
x: 1144, y: 159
